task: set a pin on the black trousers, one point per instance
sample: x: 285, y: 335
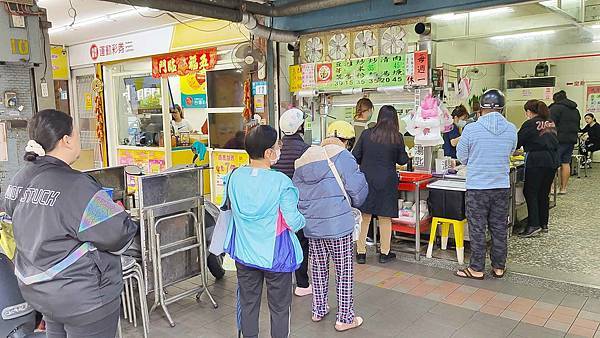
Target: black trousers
x: 302, y: 272
x: 101, y: 328
x: 279, y: 296
x: 538, y: 182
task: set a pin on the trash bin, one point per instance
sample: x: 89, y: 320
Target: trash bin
x: 447, y: 199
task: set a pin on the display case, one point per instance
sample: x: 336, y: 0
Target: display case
x: 139, y: 101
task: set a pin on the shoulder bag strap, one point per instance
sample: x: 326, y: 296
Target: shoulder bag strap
x: 336, y: 174
x: 227, y: 203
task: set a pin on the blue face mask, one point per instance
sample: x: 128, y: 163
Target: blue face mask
x: 461, y: 123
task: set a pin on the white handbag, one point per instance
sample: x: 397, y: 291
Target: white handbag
x: 355, y: 212
x: 217, y: 243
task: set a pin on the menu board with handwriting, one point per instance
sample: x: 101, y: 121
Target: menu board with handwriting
x: 373, y: 72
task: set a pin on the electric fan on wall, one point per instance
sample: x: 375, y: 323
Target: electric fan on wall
x: 313, y: 49
x: 392, y: 40
x: 365, y: 43
x: 247, y: 58
x: 338, y: 47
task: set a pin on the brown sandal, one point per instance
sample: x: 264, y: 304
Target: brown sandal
x: 341, y: 327
x: 498, y: 275
x: 468, y: 274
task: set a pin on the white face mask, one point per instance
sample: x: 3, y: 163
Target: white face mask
x: 461, y: 123
x: 277, y: 155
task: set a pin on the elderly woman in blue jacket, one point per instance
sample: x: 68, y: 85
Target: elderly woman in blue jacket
x: 329, y: 218
x: 261, y: 235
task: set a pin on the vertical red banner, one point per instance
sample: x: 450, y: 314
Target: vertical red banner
x: 421, y: 68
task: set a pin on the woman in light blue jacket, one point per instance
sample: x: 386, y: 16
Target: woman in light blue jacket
x: 329, y: 219
x: 261, y: 236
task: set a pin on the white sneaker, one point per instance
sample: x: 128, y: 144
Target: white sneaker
x: 301, y: 292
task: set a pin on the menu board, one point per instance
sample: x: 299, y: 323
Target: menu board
x: 308, y: 76
x: 373, y: 72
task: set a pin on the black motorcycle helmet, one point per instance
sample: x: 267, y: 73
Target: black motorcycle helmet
x: 492, y: 99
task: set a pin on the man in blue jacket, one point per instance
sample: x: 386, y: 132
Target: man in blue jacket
x: 485, y: 148
x: 291, y: 124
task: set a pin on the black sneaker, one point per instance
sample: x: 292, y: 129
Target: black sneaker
x: 361, y: 258
x: 386, y: 258
x: 530, y: 232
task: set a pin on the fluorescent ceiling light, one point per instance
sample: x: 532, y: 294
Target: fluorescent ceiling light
x: 448, y: 17
x: 492, y: 11
x: 550, y: 3
x: 523, y: 35
x: 481, y: 13
x: 596, y: 26
x: 109, y: 17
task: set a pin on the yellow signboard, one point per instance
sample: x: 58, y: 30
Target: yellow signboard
x: 19, y: 46
x: 218, y: 32
x: 224, y: 161
x: 295, y: 78
x: 89, y: 105
x: 60, y: 63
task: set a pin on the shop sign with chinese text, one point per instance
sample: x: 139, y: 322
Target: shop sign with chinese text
x: 184, y: 63
x: 373, y: 72
x: 421, y: 68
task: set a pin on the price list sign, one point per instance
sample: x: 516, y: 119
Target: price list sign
x: 366, y: 74
x: 373, y: 72
x: 391, y: 70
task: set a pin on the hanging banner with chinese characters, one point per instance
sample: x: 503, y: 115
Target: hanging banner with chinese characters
x: 184, y: 63
x: 421, y: 68
x: 295, y: 72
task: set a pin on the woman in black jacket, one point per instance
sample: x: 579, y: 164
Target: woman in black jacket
x: 377, y: 152
x: 69, y: 234
x: 291, y: 124
x: 538, y: 137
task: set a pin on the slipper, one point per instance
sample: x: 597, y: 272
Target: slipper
x: 341, y: 327
x: 468, y: 274
x: 318, y: 319
x: 497, y: 275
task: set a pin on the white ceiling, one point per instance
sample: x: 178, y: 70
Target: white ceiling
x: 99, y: 24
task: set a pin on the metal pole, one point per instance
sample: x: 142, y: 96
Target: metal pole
x: 418, y: 220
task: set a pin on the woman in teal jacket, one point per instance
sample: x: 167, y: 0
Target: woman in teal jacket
x: 261, y: 236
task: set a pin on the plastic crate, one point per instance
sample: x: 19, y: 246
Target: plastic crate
x: 409, y: 228
x: 408, y: 179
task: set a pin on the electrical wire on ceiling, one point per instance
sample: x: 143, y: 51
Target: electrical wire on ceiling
x: 72, y: 13
x: 174, y: 17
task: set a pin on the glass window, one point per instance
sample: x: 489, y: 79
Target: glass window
x: 139, y: 104
x: 225, y: 129
x: 225, y: 88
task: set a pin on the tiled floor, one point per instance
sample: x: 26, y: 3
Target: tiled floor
x: 404, y: 300
x: 571, y: 246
